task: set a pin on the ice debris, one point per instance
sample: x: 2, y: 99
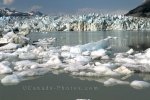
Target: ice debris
x: 139, y: 84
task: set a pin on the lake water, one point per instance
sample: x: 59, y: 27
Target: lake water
x: 65, y: 87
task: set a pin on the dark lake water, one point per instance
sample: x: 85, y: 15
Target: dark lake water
x: 138, y: 40
x: 65, y: 87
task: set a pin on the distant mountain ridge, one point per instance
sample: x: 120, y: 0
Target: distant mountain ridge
x: 141, y: 11
x: 9, y: 12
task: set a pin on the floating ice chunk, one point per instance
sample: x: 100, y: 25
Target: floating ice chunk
x: 110, y: 65
x: 34, y: 66
x: 25, y: 49
x: 83, y: 60
x: 3, y: 40
x: 103, y: 44
x: 24, y: 65
x: 106, y: 57
x: 123, y: 70
x: 65, y: 48
x: 11, y: 80
x: 104, y: 71
x: 38, y: 50
x: 144, y: 61
x: 98, y: 53
x: 131, y: 51
x: 66, y: 54
x: 139, y: 84
x: 9, y: 35
x: 112, y: 82
x: 76, y: 50
x: 15, y: 38
x: 97, y: 63
x: 45, y: 41
x: 33, y: 72
x: 125, y: 60
x: 75, y: 68
x: 5, y: 67
x: 10, y: 46
x: 27, y: 56
x: 86, y: 53
x: 8, y: 56
x: 147, y: 53
x: 54, y: 60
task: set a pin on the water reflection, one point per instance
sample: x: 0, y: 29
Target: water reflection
x: 59, y: 87
x: 138, y: 40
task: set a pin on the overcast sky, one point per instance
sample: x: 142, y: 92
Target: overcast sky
x: 54, y: 6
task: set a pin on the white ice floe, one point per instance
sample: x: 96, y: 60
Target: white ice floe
x: 12, y: 37
x: 86, y: 53
x: 125, y: 60
x: 24, y: 65
x: 26, y: 49
x: 131, y: 51
x: 65, y: 48
x: 83, y: 60
x: 75, y: 68
x: 45, y: 41
x: 104, y: 71
x: 139, y: 84
x: 10, y: 46
x: 112, y: 82
x: 5, y: 67
x: 33, y: 72
x: 102, y: 44
x: 67, y: 55
x: 8, y: 56
x: 54, y: 60
x: 11, y: 80
x: 123, y: 70
x: 138, y: 61
x: 27, y: 56
x: 98, y: 54
x: 111, y: 65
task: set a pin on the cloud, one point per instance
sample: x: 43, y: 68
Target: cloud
x: 8, y: 2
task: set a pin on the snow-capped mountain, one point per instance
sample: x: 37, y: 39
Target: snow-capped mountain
x: 9, y: 12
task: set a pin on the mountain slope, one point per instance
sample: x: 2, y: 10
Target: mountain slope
x: 9, y: 12
x: 141, y: 11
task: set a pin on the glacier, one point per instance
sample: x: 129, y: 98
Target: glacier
x: 89, y: 22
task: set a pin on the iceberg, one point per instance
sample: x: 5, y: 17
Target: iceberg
x: 10, y: 46
x: 112, y: 82
x: 5, y: 67
x: 139, y: 84
x: 11, y: 80
x: 102, y: 44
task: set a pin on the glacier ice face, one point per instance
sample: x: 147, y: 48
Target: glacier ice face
x: 89, y: 22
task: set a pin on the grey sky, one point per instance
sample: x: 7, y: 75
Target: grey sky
x: 54, y: 6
